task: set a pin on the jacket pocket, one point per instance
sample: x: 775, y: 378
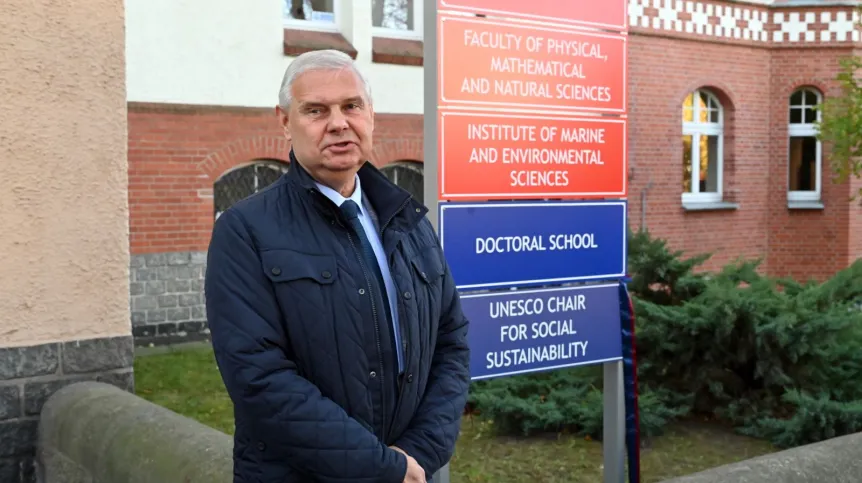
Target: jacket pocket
x: 305, y: 291
x: 429, y: 268
x: 302, y: 281
x: 425, y: 302
x: 285, y: 265
x: 428, y: 265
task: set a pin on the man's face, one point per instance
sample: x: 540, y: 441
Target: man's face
x: 329, y: 124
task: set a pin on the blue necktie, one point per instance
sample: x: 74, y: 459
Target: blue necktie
x: 351, y: 212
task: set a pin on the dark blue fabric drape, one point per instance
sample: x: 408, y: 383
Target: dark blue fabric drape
x: 630, y: 383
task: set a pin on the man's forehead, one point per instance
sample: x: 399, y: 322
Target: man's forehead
x: 330, y: 86
x: 317, y: 97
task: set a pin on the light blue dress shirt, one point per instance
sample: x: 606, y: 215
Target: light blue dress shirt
x: 377, y: 246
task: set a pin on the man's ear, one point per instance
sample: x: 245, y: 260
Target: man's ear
x: 283, y: 121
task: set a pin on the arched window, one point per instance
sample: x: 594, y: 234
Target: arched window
x: 244, y: 181
x: 702, y: 141
x: 407, y: 175
x: 804, y: 159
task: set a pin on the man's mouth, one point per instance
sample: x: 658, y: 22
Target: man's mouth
x: 341, y: 147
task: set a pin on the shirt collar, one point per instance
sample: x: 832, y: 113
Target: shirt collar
x: 336, y: 197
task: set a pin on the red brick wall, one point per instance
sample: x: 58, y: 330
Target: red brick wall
x: 177, y: 152
x: 662, y: 71
x: 804, y: 243
x: 855, y: 214
x: 854, y: 251
x: 754, y: 85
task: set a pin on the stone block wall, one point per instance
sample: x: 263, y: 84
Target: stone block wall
x: 30, y: 375
x: 167, y: 297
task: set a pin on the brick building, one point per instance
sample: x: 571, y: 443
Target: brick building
x: 727, y: 83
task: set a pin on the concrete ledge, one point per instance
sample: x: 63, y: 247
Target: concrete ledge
x: 709, y: 205
x: 98, y: 433
x: 835, y: 460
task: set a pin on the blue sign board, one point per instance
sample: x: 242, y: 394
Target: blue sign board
x: 505, y: 244
x: 517, y: 332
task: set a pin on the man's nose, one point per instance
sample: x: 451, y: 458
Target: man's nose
x: 337, y: 120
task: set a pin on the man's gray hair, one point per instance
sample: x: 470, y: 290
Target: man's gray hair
x: 317, y: 60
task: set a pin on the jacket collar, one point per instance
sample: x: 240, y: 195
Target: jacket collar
x: 392, y: 203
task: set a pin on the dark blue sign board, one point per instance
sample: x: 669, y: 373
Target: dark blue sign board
x: 518, y: 332
x: 508, y: 244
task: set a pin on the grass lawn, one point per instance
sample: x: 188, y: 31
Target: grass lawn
x: 187, y: 382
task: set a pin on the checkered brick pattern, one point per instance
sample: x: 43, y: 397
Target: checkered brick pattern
x: 751, y: 23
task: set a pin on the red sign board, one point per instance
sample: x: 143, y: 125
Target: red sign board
x: 485, y: 156
x: 484, y: 63
x: 609, y: 14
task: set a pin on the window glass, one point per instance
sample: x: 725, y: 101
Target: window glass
x: 393, y: 14
x: 803, y: 160
x: 408, y: 176
x: 803, y: 163
x: 314, y: 10
x: 702, y: 139
x: 803, y: 107
x: 243, y: 182
x: 708, y: 164
x: 686, y: 163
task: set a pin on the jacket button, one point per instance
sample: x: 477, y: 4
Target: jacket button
x: 276, y: 271
x: 261, y: 446
x: 373, y: 374
x: 409, y: 377
x: 408, y: 295
x: 326, y: 274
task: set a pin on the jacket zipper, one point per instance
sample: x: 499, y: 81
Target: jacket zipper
x: 376, y: 332
x: 403, y: 342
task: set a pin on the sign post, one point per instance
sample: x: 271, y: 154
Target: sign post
x: 526, y: 180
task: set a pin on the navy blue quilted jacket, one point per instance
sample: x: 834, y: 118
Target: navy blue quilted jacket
x: 308, y: 367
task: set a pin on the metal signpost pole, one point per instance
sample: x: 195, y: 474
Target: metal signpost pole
x: 430, y: 164
x: 430, y: 153
x: 613, y: 432
x: 526, y: 182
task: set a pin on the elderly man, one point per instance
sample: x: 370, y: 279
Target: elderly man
x: 335, y: 320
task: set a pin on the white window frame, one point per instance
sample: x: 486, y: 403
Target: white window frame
x: 802, y: 129
x: 415, y: 34
x: 290, y: 22
x: 697, y: 129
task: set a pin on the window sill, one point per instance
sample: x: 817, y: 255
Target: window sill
x: 390, y: 50
x: 388, y: 33
x: 805, y: 205
x: 299, y: 41
x: 709, y: 205
x: 310, y: 25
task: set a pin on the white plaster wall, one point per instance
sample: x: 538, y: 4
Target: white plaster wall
x: 64, y: 249
x: 225, y: 52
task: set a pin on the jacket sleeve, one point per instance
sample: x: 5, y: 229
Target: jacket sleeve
x: 434, y: 429
x: 290, y: 419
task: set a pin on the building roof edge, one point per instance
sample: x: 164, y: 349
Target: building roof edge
x: 800, y: 3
